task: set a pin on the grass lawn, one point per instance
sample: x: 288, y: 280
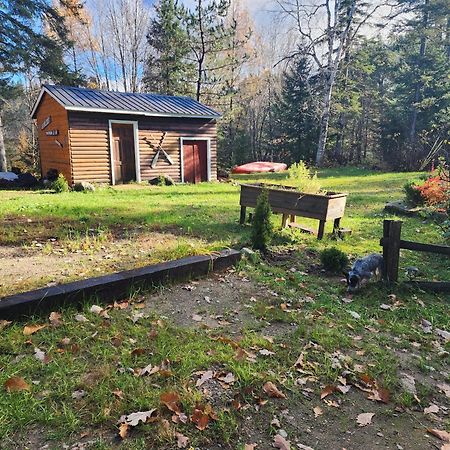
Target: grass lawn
x: 279, y: 319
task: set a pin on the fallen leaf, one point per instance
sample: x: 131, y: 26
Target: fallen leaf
x: 118, y: 393
x: 80, y: 318
x: 364, y: 419
x: 445, y: 388
x: 228, y: 378
x: 386, y: 307
x: 380, y: 395
x: 133, y: 419
x: 304, y: 447
x: 123, y: 430
x: 41, y: 356
x: 281, y: 443
x: 4, y: 324
x: 204, y: 377
x: 250, y: 446
x: 442, y: 435
x: 138, y: 351
x: 182, y: 441
x: 171, y: 400
x: 200, y: 419
x: 16, y: 384
x: 445, y: 335
x: 197, y: 318
x: 272, y: 391
x: 327, y: 390
x: 96, y: 309
x: 431, y: 409
x: 179, y: 418
x: 77, y: 395
x: 354, y: 314
x: 317, y: 411
x: 31, y: 329
x: 343, y: 389
x: 55, y: 319
x: 266, y: 352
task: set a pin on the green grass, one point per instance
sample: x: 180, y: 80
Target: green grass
x: 204, y: 218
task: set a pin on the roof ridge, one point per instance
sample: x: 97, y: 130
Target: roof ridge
x: 154, y: 94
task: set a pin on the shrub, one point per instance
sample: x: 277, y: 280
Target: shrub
x: 333, y: 259
x: 305, y: 179
x: 413, y: 194
x: 262, y: 230
x: 433, y: 191
x: 60, y: 184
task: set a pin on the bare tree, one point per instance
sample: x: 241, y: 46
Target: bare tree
x: 327, y: 29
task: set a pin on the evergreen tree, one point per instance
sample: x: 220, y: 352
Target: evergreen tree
x: 32, y: 36
x: 167, y: 69
x: 295, y: 112
x: 209, y: 37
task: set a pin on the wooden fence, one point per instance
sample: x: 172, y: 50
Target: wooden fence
x: 392, y: 243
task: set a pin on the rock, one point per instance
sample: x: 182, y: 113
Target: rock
x: 248, y: 253
x: 401, y: 208
x: 84, y: 186
x: 161, y: 180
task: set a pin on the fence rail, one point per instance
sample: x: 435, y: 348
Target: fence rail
x: 392, y: 243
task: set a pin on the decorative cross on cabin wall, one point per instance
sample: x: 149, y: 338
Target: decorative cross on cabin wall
x: 159, y: 150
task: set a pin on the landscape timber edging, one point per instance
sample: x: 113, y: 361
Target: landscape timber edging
x: 116, y: 286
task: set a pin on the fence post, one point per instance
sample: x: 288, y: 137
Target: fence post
x: 391, y: 249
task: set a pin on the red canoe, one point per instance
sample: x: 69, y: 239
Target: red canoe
x: 260, y: 167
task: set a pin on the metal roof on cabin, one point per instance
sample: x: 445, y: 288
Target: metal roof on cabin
x: 83, y: 99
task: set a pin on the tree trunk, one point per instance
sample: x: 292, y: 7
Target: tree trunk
x: 423, y: 44
x: 325, y: 118
x: 2, y: 147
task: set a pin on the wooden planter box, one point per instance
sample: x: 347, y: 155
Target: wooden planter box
x: 291, y: 202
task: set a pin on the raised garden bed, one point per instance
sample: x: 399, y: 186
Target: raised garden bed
x: 291, y: 203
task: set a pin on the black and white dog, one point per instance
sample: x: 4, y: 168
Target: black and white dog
x: 364, y: 269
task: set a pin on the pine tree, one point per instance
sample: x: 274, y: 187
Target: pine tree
x: 32, y: 35
x: 209, y: 37
x: 167, y: 70
x: 262, y: 227
x: 296, y: 116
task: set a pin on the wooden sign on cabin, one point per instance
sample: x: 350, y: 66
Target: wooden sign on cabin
x: 52, y: 132
x: 47, y: 121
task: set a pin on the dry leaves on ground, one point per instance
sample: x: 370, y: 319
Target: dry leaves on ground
x: 364, y: 419
x: 281, y: 443
x: 432, y: 409
x: 272, y: 391
x: 133, y: 419
x: 171, y: 400
x: 4, y: 324
x: 182, y: 440
x: 16, y: 384
x: 201, y: 416
x: 55, y: 319
x: 31, y: 329
x: 318, y: 411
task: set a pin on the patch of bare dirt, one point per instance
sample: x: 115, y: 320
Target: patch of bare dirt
x: 49, y: 262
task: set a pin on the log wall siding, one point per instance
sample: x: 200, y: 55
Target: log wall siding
x: 51, y: 154
x: 89, y: 139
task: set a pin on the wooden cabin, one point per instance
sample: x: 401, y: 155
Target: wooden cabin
x: 118, y: 137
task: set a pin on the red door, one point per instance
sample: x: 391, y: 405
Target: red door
x: 195, y: 161
x: 123, y: 153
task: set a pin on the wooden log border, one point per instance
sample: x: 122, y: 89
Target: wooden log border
x: 115, y: 286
